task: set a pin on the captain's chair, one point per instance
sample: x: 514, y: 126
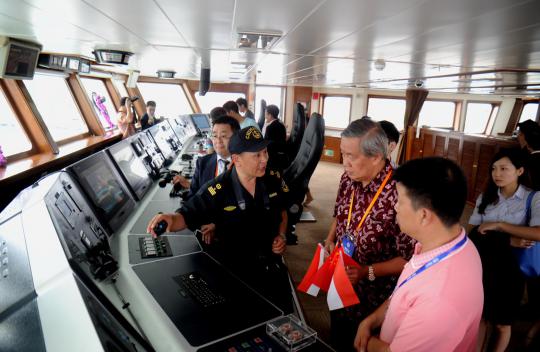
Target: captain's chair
x: 261, y: 119
x: 298, y: 174
x: 299, y: 125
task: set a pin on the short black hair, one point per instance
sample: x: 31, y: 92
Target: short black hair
x: 390, y: 130
x: 217, y: 112
x: 241, y: 101
x: 273, y: 110
x: 231, y: 106
x: 123, y: 101
x: 227, y: 120
x: 150, y: 103
x: 437, y: 184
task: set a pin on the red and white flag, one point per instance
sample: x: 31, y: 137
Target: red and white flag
x: 307, y: 284
x: 324, y: 275
x: 341, y: 293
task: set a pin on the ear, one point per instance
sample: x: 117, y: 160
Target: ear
x: 520, y: 171
x: 391, y: 147
x: 235, y: 159
x: 426, y: 216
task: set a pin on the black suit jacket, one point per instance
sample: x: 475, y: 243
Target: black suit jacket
x: 205, y: 170
x: 277, y: 135
x: 533, y: 166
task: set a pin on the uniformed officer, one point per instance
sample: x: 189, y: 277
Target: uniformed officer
x: 247, y: 203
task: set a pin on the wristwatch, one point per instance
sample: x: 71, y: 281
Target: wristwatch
x: 371, y: 273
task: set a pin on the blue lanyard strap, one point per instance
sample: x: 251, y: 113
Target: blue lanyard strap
x: 433, y: 261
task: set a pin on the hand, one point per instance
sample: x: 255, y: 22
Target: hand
x: 521, y: 242
x: 356, y: 274
x: 156, y: 219
x: 208, y: 232
x: 184, y: 182
x: 279, y: 245
x: 329, y: 246
x: 488, y: 226
x: 363, y: 334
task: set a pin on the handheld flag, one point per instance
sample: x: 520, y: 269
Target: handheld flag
x: 340, y: 292
x: 307, y: 285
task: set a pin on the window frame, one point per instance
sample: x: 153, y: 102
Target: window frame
x: 321, y: 108
x: 76, y: 137
x: 283, y: 99
x: 455, y: 119
x: 491, y: 117
x: 380, y: 96
x: 111, y: 90
x: 11, y: 100
x: 525, y: 102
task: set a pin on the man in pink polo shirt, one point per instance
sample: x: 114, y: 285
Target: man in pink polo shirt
x: 438, y: 299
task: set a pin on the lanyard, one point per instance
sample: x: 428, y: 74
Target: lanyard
x: 432, y: 262
x: 370, y: 204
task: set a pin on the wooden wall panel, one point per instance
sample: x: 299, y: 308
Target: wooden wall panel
x: 332, y: 149
x: 428, y: 145
x: 452, y: 152
x: 440, y: 142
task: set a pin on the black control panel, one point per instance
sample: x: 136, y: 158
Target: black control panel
x: 18, y: 300
x: 83, y: 238
x: 154, y: 247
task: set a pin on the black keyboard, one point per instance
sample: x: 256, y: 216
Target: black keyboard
x: 194, y: 285
x: 154, y: 247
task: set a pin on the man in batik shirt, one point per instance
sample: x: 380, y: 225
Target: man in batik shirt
x: 365, y: 224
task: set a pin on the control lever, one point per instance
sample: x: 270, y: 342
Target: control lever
x: 160, y: 228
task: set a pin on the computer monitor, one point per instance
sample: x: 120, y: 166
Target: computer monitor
x: 178, y: 129
x: 131, y: 167
x: 163, y: 137
x: 104, y: 186
x: 201, y: 121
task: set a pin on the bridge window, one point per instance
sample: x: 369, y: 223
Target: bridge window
x: 213, y: 99
x: 101, y: 101
x: 273, y: 96
x: 529, y: 112
x: 120, y: 87
x: 439, y: 114
x: 55, y: 103
x: 171, y: 101
x: 389, y: 109
x: 13, y: 140
x: 336, y: 111
x: 478, y: 117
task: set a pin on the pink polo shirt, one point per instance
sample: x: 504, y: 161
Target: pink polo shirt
x: 440, y: 309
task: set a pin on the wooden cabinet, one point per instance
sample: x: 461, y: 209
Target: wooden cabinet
x: 472, y: 152
x: 332, y: 151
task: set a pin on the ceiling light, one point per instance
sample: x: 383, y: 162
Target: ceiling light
x: 252, y: 39
x: 379, y: 64
x: 165, y: 74
x: 115, y: 57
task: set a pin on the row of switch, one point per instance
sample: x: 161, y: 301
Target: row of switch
x: 4, y: 261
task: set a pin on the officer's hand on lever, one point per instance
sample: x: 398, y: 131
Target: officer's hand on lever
x: 175, y: 222
x: 279, y: 245
x: 185, y: 183
x: 208, y: 232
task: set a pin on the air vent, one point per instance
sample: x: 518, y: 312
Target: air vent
x: 165, y: 74
x: 114, y: 57
x: 257, y: 39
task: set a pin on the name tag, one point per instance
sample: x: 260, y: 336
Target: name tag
x: 348, y: 244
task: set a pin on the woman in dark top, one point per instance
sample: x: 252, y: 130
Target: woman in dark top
x: 149, y: 119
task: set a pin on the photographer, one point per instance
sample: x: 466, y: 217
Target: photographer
x: 125, y: 119
x: 149, y: 118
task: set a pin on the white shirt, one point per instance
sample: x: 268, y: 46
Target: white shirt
x: 510, y: 210
x: 221, y: 163
x: 266, y: 124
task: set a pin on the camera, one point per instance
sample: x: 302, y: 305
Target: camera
x: 133, y: 98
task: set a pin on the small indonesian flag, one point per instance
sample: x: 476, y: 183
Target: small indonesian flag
x: 341, y: 293
x: 307, y: 285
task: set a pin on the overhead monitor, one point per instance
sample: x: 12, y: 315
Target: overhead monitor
x: 201, y: 121
x: 104, y: 186
x: 131, y: 167
x: 18, y: 59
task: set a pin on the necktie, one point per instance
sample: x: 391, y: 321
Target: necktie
x: 224, y: 164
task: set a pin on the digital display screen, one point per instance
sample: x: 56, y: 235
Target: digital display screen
x: 102, y: 186
x: 160, y: 137
x: 132, y: 168
x: 201, y: 121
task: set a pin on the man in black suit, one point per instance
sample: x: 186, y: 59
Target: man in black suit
x: 274, y: 131
x: 529, y: 139
x: 211, y: 165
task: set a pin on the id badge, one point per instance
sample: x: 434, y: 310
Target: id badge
x: 348, y: 244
